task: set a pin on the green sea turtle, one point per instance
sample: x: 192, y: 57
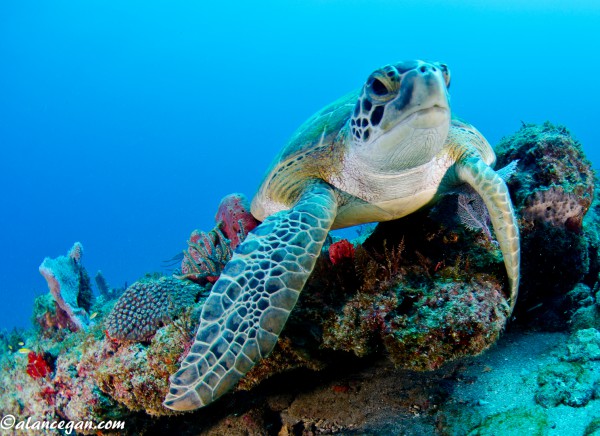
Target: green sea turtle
x: 374, y: 155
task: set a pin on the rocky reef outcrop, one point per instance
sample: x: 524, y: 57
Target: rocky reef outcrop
x: 553, y: 189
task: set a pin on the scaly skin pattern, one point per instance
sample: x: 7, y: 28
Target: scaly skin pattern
x: 250, y: 303
x: 474, y: 156
x: 494, y: 192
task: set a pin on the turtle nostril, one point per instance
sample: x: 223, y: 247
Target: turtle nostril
x: 423, y: 69
x: 433, y: 69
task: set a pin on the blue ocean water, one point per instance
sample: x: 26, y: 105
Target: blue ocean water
x: 122, y: 124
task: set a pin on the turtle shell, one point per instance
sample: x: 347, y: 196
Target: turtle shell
x: 311, y: 153
x: 325, y: 124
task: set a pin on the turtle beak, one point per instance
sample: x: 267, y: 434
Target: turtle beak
x: 423, y: 87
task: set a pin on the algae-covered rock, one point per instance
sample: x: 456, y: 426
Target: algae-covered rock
x: 593, y: 428
x: 136, y: 375
x: 514, y: 422
x: 552, y: 191
x: 549, y: 159
x: 421, y: 293
x: 585, y: 318
x: 584, y: 345
x: 570, y: 383
x: 422, y: 328
x: 581, y: 296
x: 586, y: 307
x: 591, y: 227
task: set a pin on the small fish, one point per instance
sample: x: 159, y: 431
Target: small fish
x: 21, y: 344
x: 24, y: 350
x: 93, y: 315
x: 10, y: 347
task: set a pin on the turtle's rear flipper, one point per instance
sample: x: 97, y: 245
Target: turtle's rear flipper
x: 249, y: 305
x: 492, y: 189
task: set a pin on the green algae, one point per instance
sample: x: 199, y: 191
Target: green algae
x: 514, y: 422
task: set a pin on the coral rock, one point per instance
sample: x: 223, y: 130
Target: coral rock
x: 422, y: 328
x: 569, y: 383
x: 148, y: 304
x: 552, y: 191
x: 136, y: 375
x: 548, y: 156
x: 584, y: 345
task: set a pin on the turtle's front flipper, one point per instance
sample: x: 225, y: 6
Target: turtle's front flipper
x: 249, y: 305
x: 492, y: 189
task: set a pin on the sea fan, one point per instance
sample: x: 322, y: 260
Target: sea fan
x: 472, y: 211
x: 473, y: 214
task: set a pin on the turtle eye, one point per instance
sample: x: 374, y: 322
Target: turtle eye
x: 379, y: 88
x: 445, y: 73
x: 383, y: 85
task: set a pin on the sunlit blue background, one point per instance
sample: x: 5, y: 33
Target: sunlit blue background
x: 123, y: 123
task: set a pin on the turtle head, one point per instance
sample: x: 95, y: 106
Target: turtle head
x: 402, y: 116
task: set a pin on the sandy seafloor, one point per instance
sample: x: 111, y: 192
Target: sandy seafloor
x: 492, y: 394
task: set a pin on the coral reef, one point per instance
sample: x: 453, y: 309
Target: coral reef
x: 135, y: 375
x: 90, y: 376
x: 421, y: 328
x: 552, y: 190
x: 49, y: 318
x: 423, y: 293
x: 70, y: 285
x: 147, y: 305
x: 547, y: 156
x: 407, y: 292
